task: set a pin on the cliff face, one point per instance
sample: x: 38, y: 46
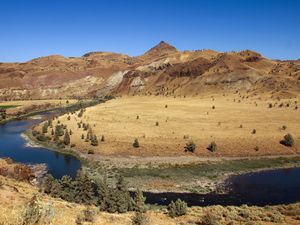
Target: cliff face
x: 160, y: 71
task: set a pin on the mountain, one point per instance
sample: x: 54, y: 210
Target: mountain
x: 162, y: 70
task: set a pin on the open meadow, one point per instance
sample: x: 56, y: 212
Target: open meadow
x: 164, y: 125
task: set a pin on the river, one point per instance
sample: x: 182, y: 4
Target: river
x: 280, y: 186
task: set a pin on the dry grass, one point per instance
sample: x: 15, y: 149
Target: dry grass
x: 15, y: 196
x: 182, y: 119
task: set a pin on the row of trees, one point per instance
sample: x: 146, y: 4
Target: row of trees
x: 85, y: 191
x: 109, y: 198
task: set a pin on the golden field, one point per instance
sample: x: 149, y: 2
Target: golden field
x: 163, y: 126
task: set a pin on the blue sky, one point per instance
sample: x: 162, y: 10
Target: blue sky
x: 34, y: 28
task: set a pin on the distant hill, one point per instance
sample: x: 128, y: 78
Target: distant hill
x: 162, y: 70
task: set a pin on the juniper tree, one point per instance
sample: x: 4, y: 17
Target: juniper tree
x: 123, y: 197
x: 82, y: 136
x: 45, y: 127
x: 177, y: 208
x: 67, y: 188
x: 47, y: 184
x: 70, y: 132
x: 55, y: 189
x: 136, y: 143
x: 83, y: 189
x: 59, y: 130
x: 103, y: 190
x: 52, y: 132
x: 102, y: 138
x: 94, y: 141
x: 67, y: 138
x: 139, y: 201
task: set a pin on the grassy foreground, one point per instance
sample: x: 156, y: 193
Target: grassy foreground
x: 15, y: 197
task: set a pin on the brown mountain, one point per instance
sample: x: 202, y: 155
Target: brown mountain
x: 160, y: 71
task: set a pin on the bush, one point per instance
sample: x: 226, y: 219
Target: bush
x: 136, y: 143
x: 209, y: 219
x: 91, y: 151
x: 254, y: 131
x: 190, y: 147
x: 102, y: 138
x: 32, y: 213
x: 288, y: 140
x: 178, y: 208
x: 42, y: 138
x: 156, y: 124
x: 256, y: 148
x: 212, y: 147
x: 139, y: 219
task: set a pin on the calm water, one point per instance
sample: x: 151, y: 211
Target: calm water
x: 14, y: 146
x: 280, y: 186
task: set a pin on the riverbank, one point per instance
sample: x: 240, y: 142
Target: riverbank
x: 173, y: 174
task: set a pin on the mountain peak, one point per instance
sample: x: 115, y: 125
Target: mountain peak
x: 160, y: 49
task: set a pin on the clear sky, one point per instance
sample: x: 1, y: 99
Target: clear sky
x: 33, y: 28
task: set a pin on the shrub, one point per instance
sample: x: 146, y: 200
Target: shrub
x: 136, y: 143
x: 35, y: 133
x: 190, y: 147
x: 213, y: 107
x: 94, y: 141
x: 139, y: 219
x: 137, y: 117
x: 156, y: 124
x: 67, y: 138
x: 210, y: 219
x: 45, y: 128
x: 73, y: 145
x: 91, y: 152
x: 42, y: 137
x: 254, y: 131
x: 82, y: 136
x: 32, y: 214
x: 212, y: 147
x: 166, y: 106
x: 284, y: 127
x: 256, y: 148
x: 177, y: 208
x: 288, y: 140
x: 102, y: 138
x: 69, y: 117
x: 270, y: 105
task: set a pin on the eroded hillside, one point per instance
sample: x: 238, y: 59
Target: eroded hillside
x: 162, y: 70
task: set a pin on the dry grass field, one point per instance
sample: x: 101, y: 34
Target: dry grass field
x: 15, y: 197
x: 163, y: 126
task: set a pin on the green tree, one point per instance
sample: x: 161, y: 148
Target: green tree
x: 136, y: 143
x: 67, y: 188
x: 123, y: 197
x: 177, y: 208
x: 190, y: 146
x: 47, y: 183
x: 55, y: 189
x: 139, y: 201
x: 67, y: 138
x: 83, y: 191
x: 45, y: 127
x: 288, y: 140
x: 94, y: 141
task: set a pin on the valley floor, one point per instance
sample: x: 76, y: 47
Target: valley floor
x: 164, y: 125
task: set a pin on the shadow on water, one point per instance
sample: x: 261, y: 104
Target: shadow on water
x: 280, y: 186
x: 12, y: 145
